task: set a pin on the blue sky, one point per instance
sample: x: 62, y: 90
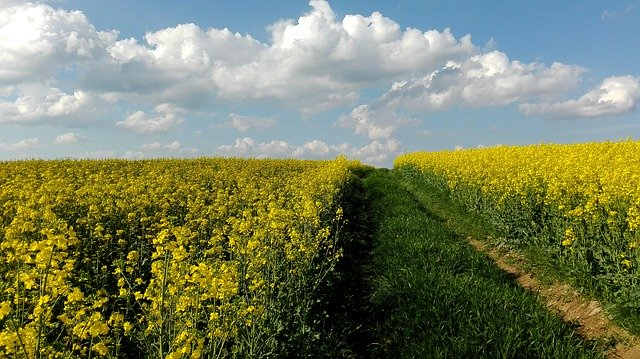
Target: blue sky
x: 369, y: 79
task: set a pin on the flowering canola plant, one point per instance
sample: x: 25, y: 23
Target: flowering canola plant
x: 581, y: 202
x: 163, y: 258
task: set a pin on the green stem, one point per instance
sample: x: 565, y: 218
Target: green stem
x: 164, y: 284
x: 43, y: 286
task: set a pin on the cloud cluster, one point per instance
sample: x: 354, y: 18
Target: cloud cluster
x: 38, y: 40
x: 70, y: 137
x: 614, y: 96
x: 489, y: 79
x: 244, y: 123
x: 314, y: 63
x: 162, y: 120
x: 38, y: 103
x: 375, y: 152
x: 175, y: 146
x: 25, y: 144
x: 57, y: 69
x: 374, y: 121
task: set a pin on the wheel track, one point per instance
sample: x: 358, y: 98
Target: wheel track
x: 568, y: 303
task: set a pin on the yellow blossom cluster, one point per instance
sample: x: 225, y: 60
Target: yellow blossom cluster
x: 162, y: 258
x: 579, y: 200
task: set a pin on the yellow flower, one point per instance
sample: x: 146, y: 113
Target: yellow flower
x: 5, y: 308
x: 127, y: 326
x: 133, y: 256
x: 75, y: 295
x: 569, y: 237
x: 101, y: 349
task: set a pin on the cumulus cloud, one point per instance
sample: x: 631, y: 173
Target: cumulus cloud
x: 315, y: 63
x: 175, y: 146
x: 315, y: 148
x: 374, y: 152
x: 36, y: 40
x: 39, y: 103
x: 56, y: 68
x: 363, y: 47
x: 247, y: 145
x: 614, y: 96
x: 145, y: 124
x: 21, y: 145
x: 278, y: 148
x: 377, y: 151
x: 244, y: 123
x: 374, y: 121
x: 70, y: 137
x: 489, y: 79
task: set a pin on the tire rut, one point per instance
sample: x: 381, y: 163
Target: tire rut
x: 587, y: 313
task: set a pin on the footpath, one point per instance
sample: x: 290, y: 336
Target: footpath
x: 428, y: 293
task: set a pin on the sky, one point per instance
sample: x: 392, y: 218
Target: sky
x: 293, y: 79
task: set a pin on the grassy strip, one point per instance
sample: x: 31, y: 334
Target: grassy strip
x: 435, y: 296
x: 615, y: 288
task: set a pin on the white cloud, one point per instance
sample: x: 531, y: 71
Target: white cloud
x: 276, y: 148
x: 39, y: 103
x: 614, y: 96
x: 145, y: 124
x: 244, y: 123
x: 243, y: 145
x: 25, y: 144
x: 373, y: 121
x: 378, y: 151
x: 489, y: 79
x: 374, y: 152
x: 315, y: 148
x: 323, y: 61
x: 174, y: 146
x: 36, y: 40
x: 188, y: 48
x: 70, y: 137
x: 314, y: 63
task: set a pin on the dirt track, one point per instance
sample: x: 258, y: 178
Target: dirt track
x: 568, y: 303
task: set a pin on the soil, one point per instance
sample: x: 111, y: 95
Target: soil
x: 587, y: 314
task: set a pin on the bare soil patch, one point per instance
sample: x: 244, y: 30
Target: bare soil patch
x: 592, y: 322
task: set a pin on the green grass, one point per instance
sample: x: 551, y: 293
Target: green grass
x: 431, y: 295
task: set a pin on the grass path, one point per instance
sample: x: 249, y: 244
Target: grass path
x: 432, y: 295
